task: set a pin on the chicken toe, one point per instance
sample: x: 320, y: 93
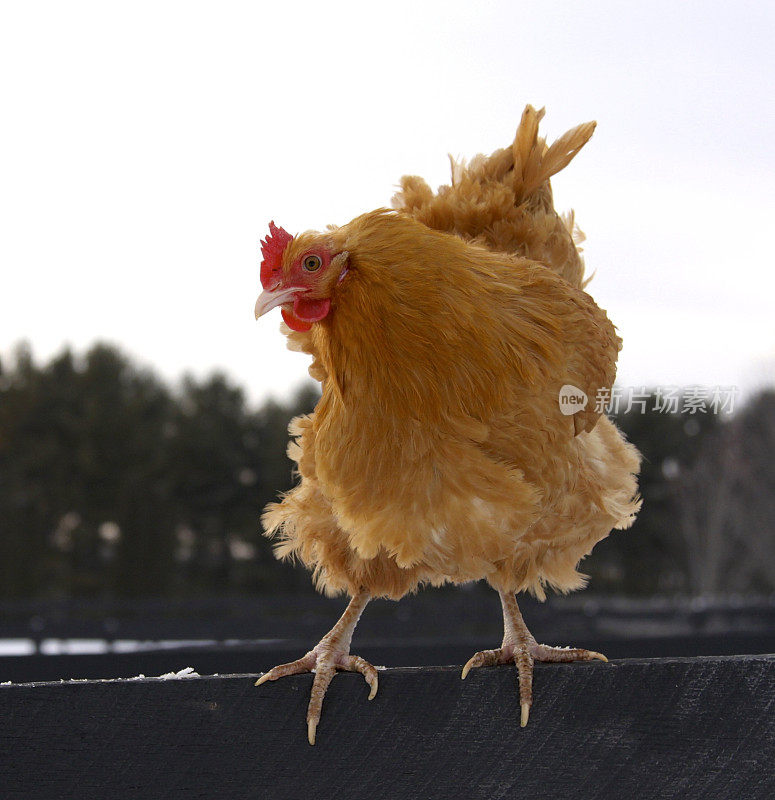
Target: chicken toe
x: 520, y: 647
x: 332, y: 653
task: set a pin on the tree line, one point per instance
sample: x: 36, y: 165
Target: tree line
x: 113, y: 483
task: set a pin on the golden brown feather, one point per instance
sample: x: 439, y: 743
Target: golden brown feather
x: 438, y: 450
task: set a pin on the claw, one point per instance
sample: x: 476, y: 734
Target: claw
x: 374, y: 686
x: 312, y: 726
x: 262, y: 679
x: 486, y: 658
x: 524, y: 715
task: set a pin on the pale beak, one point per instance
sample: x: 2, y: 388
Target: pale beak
x: 268, y: 300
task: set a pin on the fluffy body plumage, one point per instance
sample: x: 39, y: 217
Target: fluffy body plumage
x: 438, y: 451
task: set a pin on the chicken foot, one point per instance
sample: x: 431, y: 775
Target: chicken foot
x: 332, y: 653
x: 520, y: 646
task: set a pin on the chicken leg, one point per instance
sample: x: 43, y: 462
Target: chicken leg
x: 329, y: 655
x: 520, y: 646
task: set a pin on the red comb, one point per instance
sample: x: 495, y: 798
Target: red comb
x: 272, y: 249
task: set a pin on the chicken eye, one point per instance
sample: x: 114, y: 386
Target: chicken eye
x: 312, y: 263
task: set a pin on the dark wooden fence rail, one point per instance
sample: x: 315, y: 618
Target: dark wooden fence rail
x: 662, y: 728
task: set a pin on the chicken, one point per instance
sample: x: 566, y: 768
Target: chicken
x: 443, y: 332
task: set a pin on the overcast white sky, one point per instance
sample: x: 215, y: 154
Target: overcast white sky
x: 144, y: 147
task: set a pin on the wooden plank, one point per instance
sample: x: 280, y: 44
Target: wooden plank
x: 688, y: 728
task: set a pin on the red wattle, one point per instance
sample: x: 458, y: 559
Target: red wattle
x: 293, y: 322
x: 305, y: 312
x: 311, y: 310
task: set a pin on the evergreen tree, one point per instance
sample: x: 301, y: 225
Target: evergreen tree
x: 113, y: 483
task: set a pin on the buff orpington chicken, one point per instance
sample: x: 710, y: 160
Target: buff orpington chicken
x: 443, y: 332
